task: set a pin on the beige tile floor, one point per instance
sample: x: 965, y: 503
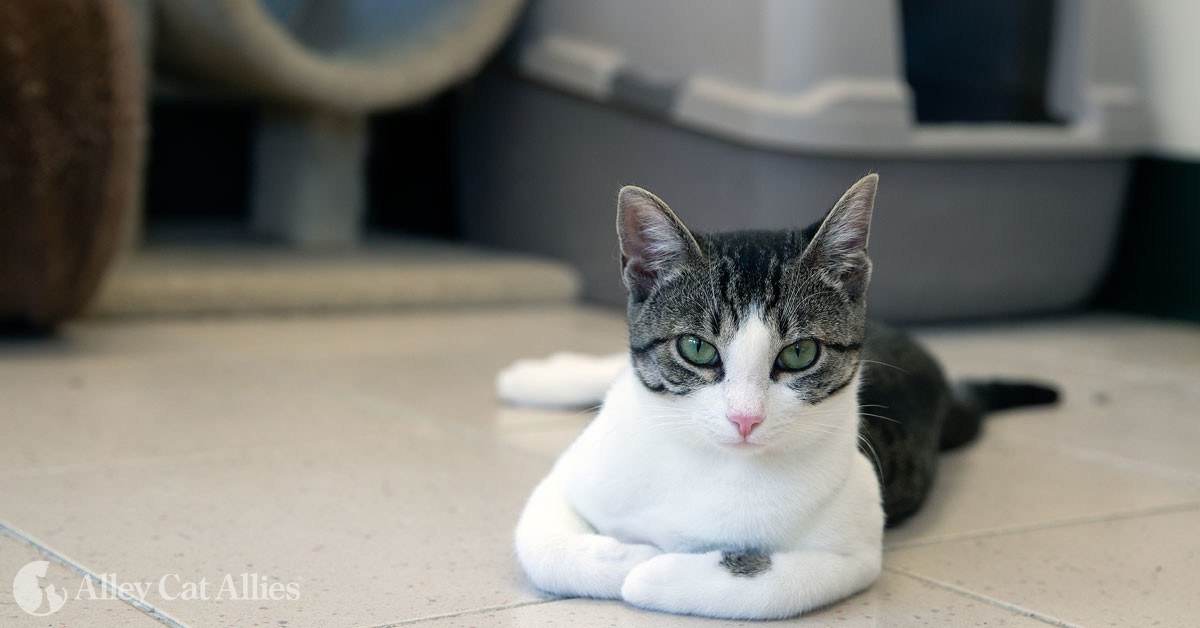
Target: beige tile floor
x: 364, y: 460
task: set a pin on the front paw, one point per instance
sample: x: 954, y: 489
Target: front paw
x: 669, y: 582
x: 607, y: 550
x: 605, y: 564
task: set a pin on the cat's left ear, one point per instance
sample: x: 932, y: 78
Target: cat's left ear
x: 840, y: 244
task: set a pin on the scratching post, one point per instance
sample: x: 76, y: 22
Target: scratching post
x: 321, y: 66
x: 71, y: 115
x: 309, y: 171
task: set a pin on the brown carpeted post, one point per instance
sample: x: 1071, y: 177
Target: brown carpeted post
x: 71, y: 120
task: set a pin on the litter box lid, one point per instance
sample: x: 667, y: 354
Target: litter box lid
x: 822, y: 76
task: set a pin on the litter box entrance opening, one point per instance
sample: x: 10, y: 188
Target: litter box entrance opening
x: 979, y: 61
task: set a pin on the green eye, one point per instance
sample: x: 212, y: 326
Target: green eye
x: 697, y: 351
x: 797, y: 356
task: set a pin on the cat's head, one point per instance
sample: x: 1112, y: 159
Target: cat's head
x: 747, y: 339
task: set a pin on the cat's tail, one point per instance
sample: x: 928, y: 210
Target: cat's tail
x: 563, y: 380
x: 973, y: 399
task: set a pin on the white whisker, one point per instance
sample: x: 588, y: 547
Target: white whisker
x: 879, y: 416
x: 884, y: 364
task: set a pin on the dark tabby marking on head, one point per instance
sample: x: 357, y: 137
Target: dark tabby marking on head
x: 804, y: 283
x: 648, y: 346
x: 832, y: 391
x: 745, y: 565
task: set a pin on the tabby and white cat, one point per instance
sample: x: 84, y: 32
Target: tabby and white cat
x: 723, y: 475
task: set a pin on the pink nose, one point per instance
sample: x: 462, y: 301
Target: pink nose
x: 745, y: 423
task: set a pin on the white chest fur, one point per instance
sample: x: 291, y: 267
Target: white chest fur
x: 641, y: 485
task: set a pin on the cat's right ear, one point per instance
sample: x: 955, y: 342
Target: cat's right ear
x: 653, y: 239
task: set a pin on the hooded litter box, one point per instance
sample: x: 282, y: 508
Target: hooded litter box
x: 1003, y: 143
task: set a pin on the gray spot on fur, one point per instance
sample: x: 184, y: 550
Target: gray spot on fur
x: 746, y: 565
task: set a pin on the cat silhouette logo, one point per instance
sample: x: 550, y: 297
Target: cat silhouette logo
x: 29, y: 594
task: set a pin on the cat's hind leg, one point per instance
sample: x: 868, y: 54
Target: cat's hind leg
x: 563, y: 555
x: 563, y: 380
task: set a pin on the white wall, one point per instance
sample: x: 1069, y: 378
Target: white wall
x: 1168, y: 41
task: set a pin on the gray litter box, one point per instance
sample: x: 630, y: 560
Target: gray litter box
x: 758, y: 114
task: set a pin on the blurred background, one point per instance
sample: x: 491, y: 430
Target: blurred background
x: 261, y: 260
x: 191, y: 156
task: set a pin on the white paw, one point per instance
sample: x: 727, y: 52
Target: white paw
x: 561, y: 380
x: 610, y: 550
x: 670, y: 582
x: 603, y: 565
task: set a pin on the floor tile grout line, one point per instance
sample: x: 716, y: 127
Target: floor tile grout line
x: 218, y: 454
x: 1098, y: 456
x: 1008, y: 606
x: 403, y: 411
x: 374, y: 403
x: 146, y: 608
x: 476, y: 611
x: 1049, y: 525
x: 1133, y: 465
x: 390, y: 408
x: 364, y: 402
